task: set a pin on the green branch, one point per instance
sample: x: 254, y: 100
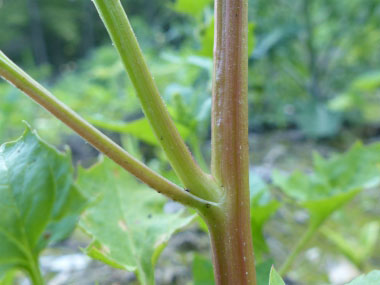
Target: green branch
x: 121, y: 33
x: 15, y: 75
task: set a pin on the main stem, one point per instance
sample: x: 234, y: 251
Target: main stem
x: 230, y: 229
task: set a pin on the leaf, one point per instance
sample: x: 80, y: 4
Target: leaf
x: 263, y: 270
x: 202, y: 271
x: 321, y: 209
x: 275, y: 278
x: 359, y: 249
x: 38, y: 200
x: 367, y: 82
x: 191, y: 7
x: 262, y: 208
x: 8, y: 278
x: 127, y: 221
x: 354, y: 170
x: 317, y: 121
x: 140, y: 129
x: 372, y: 278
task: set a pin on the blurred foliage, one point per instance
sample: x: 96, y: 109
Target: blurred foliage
x: 313, y: 66
x: 371, y: 278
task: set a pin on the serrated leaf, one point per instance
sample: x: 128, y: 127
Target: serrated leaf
x: 372, y: 278
x: 275, y: 278
x: 321, y: 209
x: 38, y: 200
x: 354, y: 170
x: 127, y: 221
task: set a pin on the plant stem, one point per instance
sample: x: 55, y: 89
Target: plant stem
x: 12, y: 73
x: 231, y: 233
x: 300, y: 245
x: 121, y: 33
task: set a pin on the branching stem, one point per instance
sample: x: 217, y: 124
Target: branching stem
x: 121, y: 33
x: 12, y: 73
x: 231, y: 237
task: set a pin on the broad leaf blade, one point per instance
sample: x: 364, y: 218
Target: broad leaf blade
x: 37, y: 200
x: 127, y: 221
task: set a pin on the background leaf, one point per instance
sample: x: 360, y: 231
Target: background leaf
x: 202, y: 271
x: 262, y: 208
x: 191, y: 7
x: 139, y: 128
x: 126, y: 220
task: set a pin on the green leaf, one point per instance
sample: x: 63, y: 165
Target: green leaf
x: 38, y: 201
x: 8, y: 278
x: 191, y: 7
x: 354, y: 170
x: 317, y: 121
x: 359, y: 249
x: 262, y: 208
x: 126, y: 220
x: 275, y: 278
x: 321, y: 209
x: 367, y: 82
x: 263, y: 270
x: 202, y: 271
x: 140, y: 129
x: 372, y: 278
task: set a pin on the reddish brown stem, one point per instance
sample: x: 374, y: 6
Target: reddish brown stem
x: 231, y: 230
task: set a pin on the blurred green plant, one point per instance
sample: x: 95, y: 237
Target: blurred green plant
x: 332, y: 184
x: 305, y: 77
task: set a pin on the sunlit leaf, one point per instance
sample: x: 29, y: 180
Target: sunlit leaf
x: 127, y: 221
x: 191, y: 7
